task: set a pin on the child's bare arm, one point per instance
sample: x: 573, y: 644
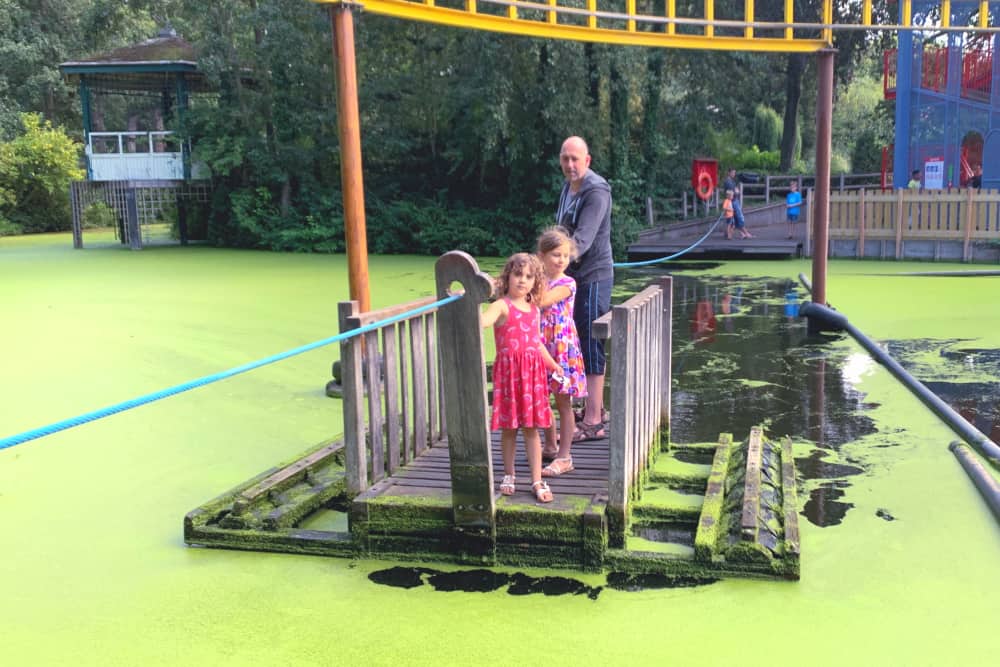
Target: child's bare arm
x: 553, y: 295
x: 496, y: 311
x: 550, y: 363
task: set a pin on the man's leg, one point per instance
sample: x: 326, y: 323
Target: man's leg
x: 592, y: 301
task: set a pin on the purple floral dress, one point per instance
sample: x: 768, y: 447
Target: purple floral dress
x: 562, y: 341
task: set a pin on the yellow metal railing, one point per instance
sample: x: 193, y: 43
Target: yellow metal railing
x: 600, y: 21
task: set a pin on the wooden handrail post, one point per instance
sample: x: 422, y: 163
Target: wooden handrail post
x: 622, y: 436
x: 355, y: 455
x: 666, y: 284
x: 899, y: 222
x: 463, y: 377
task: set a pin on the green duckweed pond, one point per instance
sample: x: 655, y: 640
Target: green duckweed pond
x: 94, y: 569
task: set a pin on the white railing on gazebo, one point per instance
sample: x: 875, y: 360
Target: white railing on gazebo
x: 123, y: 156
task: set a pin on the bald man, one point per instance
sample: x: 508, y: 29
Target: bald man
x: 585, y: 212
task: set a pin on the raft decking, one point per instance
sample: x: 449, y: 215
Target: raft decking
x: 415, y: 475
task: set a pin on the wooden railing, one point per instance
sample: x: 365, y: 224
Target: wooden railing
x: 396, y: 368
x: 895, y: 217
x: 641, y: 337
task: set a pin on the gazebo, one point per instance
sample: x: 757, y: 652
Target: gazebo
x: 133, y: 100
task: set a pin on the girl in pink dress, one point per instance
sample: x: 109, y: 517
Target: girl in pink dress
x: 520, y: 382
x: 556, y: 249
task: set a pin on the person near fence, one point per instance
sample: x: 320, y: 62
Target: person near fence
x: 520, y: 381
x: 976, y: 180
x: 733, y: 183
x: 793, y: 203
x: 556, y: 249
x: 914, y: 183
x: 585, y: 212
x: 728, y: 213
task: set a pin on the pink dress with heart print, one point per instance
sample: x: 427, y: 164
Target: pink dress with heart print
x: 520, y: 381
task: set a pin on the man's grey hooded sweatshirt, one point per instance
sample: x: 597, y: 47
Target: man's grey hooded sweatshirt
x: 587, y: 217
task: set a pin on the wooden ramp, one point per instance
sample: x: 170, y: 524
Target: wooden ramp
x: 766, y: 223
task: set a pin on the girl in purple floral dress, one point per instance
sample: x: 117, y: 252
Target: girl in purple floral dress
x: 556, y: 249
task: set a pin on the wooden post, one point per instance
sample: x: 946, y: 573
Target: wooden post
x: 349, y: 124
x: 132, y: 219
x: 899, y: 222
x: 355, y: 456
x: 809, y: 218
x: 666, y: 355
x: 966, y: 246
x: 621, y: 438
x: 650, y: 218
x: 861, y: 224
x: 464, y: 382
x: 824, y: 120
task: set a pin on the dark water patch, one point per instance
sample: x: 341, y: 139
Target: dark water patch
x: 399, y: 577
x: 677, y: 533
x: 814, y: 467
x: 743, y: 357
x: 482, y: 581
x: 823, y: 509
x: 522, y: 584
x: 468, y: 581
x: 624, y: 581
x: 883, y: 513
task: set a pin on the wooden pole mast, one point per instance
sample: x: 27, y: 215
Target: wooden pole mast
x: 349, y: 124
x: 821, y: 220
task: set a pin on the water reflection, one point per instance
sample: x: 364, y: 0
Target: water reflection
x: 742, y: 357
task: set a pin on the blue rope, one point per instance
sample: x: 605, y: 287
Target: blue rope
x: 676, y: 254
x: 208, y: 379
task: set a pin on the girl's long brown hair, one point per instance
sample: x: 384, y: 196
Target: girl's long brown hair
x: 556, y: 237
x: 517, y: 262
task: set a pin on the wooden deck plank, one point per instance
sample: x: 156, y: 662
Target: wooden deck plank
x: 430, y: 473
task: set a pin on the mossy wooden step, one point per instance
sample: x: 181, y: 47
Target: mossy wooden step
x: 665, y: 504
x: 690, y: 477
x: 697, y: 452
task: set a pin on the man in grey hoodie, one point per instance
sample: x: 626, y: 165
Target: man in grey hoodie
x: 585, y: 212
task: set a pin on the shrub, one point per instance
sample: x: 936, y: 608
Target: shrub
x: 99, y: 215
x: 36, y: 168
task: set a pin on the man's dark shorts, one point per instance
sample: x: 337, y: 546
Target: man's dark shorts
x: 592, y: 301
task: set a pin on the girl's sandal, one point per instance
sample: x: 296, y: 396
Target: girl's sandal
x: 507, y: 485
x: 543, y: 493
x: 558, y: 467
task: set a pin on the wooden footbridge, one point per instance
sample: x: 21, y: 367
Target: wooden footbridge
x: 414, y: 476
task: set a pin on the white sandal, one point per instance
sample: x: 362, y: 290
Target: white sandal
x: 507, y: 485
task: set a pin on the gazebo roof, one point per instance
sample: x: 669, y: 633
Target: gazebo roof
x: 148, y: 66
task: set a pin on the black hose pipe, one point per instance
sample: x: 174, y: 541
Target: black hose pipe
x: 984, y: 481
x: 838, y: 322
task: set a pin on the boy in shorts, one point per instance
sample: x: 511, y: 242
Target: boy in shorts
x: 792, y: 203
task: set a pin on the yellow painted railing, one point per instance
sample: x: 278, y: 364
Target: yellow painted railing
x: 705, y: 28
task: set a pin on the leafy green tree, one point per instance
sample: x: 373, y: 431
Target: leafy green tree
x: 35, y: 170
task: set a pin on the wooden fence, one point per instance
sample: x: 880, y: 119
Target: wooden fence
x: 922, y: 224
x: 396, y: 368
x: 641, y: 337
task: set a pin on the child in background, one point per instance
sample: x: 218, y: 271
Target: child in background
x: 556, y: 249
x: 520, y: 383
x: 793, y: 200
x: 727, y: 210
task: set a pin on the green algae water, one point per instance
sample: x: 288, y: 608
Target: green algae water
x: 899, y: 553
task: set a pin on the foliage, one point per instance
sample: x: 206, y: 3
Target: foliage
x: 767, y: 128
x: 99, y: 215
x: 35, y: 170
